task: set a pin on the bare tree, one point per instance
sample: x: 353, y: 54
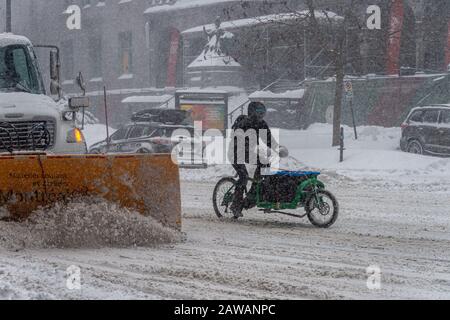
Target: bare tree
x: 335, y: 33
x: 330, y: 32
x: 333, y: 38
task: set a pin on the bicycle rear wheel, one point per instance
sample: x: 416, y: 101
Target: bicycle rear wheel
x: 223, y: 197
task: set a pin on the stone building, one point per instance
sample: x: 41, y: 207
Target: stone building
x: 21, y: 13
x: 132, y: 47
x: 140, y: 47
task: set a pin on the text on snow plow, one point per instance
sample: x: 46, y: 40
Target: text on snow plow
x: 148, y: 184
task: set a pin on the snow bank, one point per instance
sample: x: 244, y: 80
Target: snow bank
x: 94, y: 133
x: 211, y: 174
x: 376, y: 155
x: 90, y: 223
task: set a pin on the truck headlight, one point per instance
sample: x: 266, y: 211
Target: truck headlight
x: 75, y: 136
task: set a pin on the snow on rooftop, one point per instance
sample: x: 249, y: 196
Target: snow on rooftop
x: 268, y: 95
x: 184, y: 4
x: 262, y: 20
x: 215, y: 89
x: 431, y: 106
x: 214, y: 61
x: 202, y: 90
x: 7, y: 39
x: 437, y: 77
x: 147, y: 99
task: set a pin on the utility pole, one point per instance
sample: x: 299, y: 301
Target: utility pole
x: 8, y: 16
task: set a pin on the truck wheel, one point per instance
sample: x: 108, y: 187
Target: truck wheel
x: 415, y: 147
x: 144, y: 151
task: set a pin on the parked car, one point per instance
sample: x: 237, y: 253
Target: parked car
x: 426, y: 130
x: 135, y: 138
x: 152, y: 131
x: 164, y: 116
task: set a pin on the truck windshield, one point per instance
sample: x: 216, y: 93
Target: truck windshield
x: 18, y: 71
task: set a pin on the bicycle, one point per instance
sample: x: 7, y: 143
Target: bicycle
x: 282, y: 190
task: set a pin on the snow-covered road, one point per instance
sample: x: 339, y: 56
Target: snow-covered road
x: 405, y: 231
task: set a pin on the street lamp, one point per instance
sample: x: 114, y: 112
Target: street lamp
x: 8, y: 16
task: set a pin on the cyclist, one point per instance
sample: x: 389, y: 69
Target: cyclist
x: 241, y: 128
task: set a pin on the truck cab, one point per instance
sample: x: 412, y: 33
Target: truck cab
x: 29, y: 119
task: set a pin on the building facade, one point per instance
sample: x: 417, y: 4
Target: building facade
x: 21, y: 13
x: 128, y: 46
x: 137, y: 47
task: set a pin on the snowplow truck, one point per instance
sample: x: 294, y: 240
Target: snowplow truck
x: 43, y: 155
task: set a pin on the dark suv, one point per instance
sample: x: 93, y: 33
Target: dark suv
x: 427, y: 131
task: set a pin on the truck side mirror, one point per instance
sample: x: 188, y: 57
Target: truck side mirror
x: 80, y: 82
x: 55, y: 87
x: 54, y: 74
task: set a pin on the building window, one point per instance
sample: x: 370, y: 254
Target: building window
x: 67, y: 60
x: 126, y: 52
x: 95, y: 57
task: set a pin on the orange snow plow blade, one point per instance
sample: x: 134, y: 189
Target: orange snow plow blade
x: 148, y: 184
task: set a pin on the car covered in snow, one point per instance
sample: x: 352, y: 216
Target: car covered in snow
x: 426, y: 130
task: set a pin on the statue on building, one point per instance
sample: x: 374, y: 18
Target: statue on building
x: 214, y: 39
x: 215, y: 66
x: 216, y: 51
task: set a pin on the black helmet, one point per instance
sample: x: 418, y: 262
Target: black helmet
x: 257, y: 110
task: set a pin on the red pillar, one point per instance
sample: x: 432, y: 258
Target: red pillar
x: 395, y: 37
x: 173, y: 58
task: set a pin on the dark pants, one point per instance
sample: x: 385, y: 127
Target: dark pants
x: 238, y: 200
x: 239, y: 203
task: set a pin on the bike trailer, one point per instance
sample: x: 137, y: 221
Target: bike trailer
x: 282, y: 186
